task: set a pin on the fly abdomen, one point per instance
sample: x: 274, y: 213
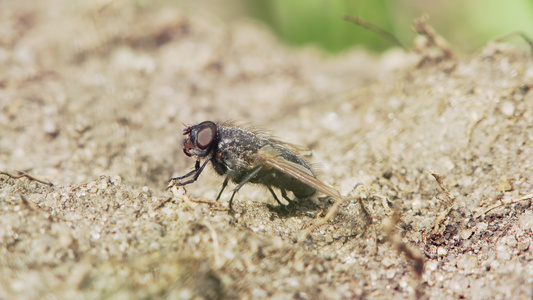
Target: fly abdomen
x: 298, y: 188
x: 282, y: 181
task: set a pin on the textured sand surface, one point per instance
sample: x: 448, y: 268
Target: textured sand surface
x: 93, y: 97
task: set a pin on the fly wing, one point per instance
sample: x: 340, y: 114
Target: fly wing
x: 270, y: 157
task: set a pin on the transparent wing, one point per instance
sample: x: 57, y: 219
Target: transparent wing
x: 271, y: 158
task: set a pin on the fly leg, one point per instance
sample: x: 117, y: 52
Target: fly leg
x: 224, y: 184
x: 194, y: 173
x: 274, y: 194
x: 284, y: 195
x: 196, y: 167
x: 291, y: 202
x: 243, y: 182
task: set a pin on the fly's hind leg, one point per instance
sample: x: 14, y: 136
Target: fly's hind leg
x: 292, y: 203
x: 284, y: 195
x: 274, y: 194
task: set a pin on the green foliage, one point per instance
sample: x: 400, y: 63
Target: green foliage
x: 466, y: 24
x: 320, y: 22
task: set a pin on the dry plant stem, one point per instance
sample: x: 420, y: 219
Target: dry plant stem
x: 471, y: 128
x: 413, y: 254
x: 486, y: 211
x: 331, y: 212
x: 214, y: 237
x: 372, y: 27
x: 162, y: 203
x: 24, y: 174
x: 26, y: 202
x: 421, y: 26
x: 513, y: 33
x: 366, y: 214
x: 449, y: 204
x: 181, y: 192
x: 438, y: 177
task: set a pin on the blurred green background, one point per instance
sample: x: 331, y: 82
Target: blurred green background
x: 466, y: 24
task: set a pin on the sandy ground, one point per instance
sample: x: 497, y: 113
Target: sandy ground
x: 93, y: 98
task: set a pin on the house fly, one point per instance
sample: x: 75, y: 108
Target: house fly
x: 246, y: 156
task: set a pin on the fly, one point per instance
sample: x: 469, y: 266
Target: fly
x: 245, y: 156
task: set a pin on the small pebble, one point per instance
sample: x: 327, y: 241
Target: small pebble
x: 523, y: 245
x: 50, y: 128
x: 525, y: 221
x: 329, y: 239
x: 466, y: 233
x: 507, y: 108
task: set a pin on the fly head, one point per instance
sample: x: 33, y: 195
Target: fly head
x: 201, y: 139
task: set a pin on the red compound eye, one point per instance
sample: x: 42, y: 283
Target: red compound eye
x: 206, y: 136
x: 202, y: 138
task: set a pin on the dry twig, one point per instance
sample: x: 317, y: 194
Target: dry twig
x: 421, y: 26
x: 214, y: 237
x: 412, y: 253
x: 486, y: 211
x: 372, y: 27
x: 181, y: 192
x: 448, y: 205
x: 24, y: 174
x: 332, y: 212
x: 518, y: 33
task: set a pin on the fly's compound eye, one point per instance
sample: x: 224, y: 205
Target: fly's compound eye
x: 202, y: 138
x: 205, y: 136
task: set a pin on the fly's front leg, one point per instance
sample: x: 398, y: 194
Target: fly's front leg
x: 194, y: 173
x: 196, y: 167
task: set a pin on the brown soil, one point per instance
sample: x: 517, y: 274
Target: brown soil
x: 92, y: 100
